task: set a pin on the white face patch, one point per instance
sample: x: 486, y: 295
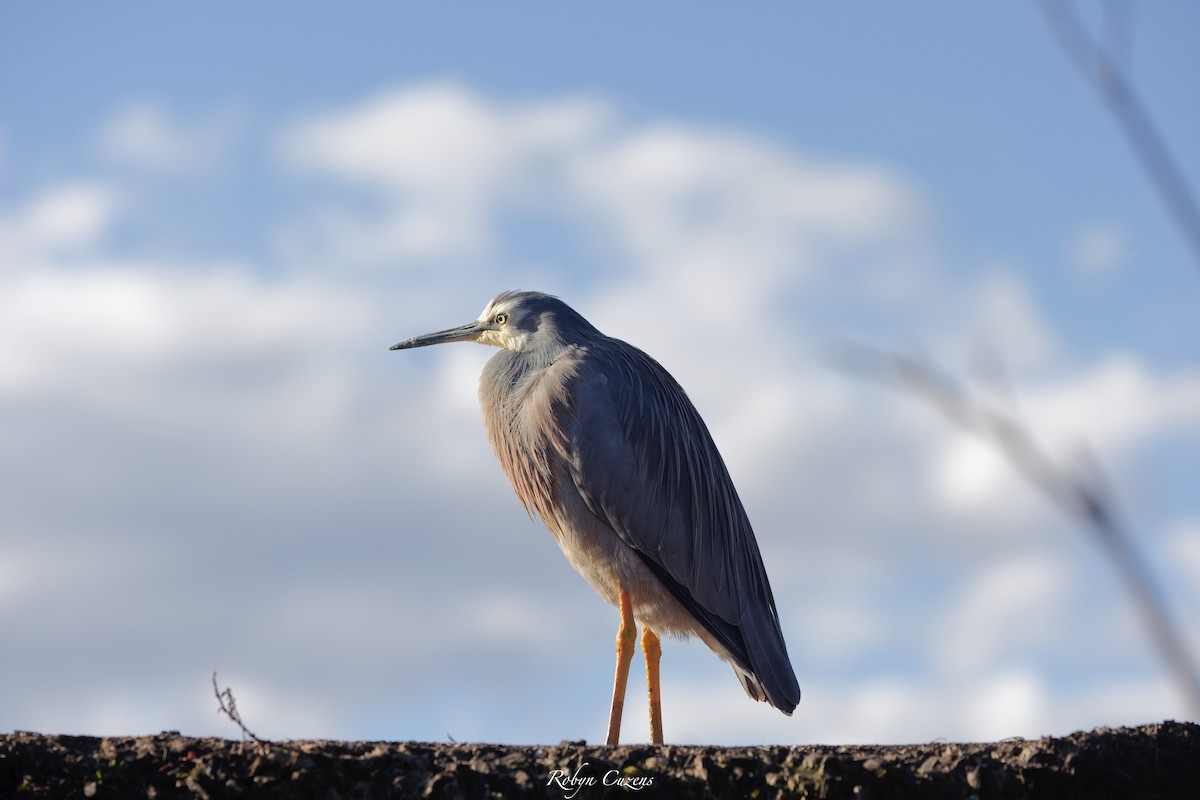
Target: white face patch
x: 507, y: 336
x: 492, y: 338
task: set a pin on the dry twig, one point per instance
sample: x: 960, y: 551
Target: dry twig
x: 1099, y: 60
x: 228, y: 707
x: 1082, y: 495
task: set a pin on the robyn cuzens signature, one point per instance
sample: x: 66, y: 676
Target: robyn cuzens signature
x: 572, y: 783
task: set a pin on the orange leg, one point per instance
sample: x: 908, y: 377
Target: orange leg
x: 653, y: 652
x: 626, y: 643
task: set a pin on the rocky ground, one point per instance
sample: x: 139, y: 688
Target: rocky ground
x: 1152, y: 761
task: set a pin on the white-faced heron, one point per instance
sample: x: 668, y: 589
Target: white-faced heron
x: 602, y: 443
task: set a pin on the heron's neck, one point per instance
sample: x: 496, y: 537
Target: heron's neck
x: 550, y: 343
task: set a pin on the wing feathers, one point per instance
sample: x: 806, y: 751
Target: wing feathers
x: 644, y: 462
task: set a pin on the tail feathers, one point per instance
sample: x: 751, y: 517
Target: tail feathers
x: 757, y: 692
x: 770, y: 677
x: 751, y: 684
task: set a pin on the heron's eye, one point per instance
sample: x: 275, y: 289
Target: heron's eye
x: 500, y: 318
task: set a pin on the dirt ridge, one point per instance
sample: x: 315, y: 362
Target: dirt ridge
x: 1160, y: 760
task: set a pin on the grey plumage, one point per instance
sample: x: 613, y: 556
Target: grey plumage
x: 603, y: 444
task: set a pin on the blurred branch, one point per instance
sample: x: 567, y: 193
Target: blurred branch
x: 1100, y: 62
x: 228, y: 707
x: 1083, y: 495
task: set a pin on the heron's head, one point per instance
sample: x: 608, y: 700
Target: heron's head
x: 516, y: 321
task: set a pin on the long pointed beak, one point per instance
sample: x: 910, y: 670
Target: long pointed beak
x: 463, y: 333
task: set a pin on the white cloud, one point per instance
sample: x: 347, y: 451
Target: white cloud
x: 1117, y: 404
x: 1098, y: 250
x: 144, y: 135
x: 58, y: 220
x: 685, y: 198
x: 1181, y: 560
x: 18, y: 575
x: 993, y: 704
x: 1006, y: 610
x: 60, y: 327
x: 1007, y: 704
x: 883, y: 709
x: 1183, y: 544
x: 443, y: 156
x: 971, y: 471
x: 1114, y: 408
x: 185, y: 701
x: 1005, y: 318
x: 437, y: 139
x: 839, y: 630
x: 688, y: 204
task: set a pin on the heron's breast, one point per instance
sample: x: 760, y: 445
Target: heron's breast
x: 525, y: 411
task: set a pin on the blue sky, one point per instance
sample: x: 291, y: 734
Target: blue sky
x: 213, y: 220
x: 975, y: 106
